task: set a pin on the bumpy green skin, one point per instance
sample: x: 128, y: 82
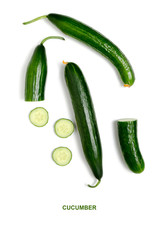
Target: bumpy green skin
x: 127, y: 132
x: 36, y: 75
x: 85, y: 118
x: 91, y: 37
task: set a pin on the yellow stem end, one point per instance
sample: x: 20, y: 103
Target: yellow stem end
x: 64, y: 62
x: 126, y: 85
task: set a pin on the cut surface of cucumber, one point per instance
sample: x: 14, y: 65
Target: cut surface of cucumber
x: 62, y: 156
x: 127, y: 120
x: 39, y: 117
x: 63, y: 128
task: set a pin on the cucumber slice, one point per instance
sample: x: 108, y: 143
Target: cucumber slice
x: 39, y: 117
x: 64, y: 127
x: 62, y: 156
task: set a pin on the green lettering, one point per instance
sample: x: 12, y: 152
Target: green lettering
x: 81, y: 207
x: 64, y: 207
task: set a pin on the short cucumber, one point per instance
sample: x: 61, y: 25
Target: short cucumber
x: 39, y: 117
x: 36, y: 73
x: 127, y: 131
x: 62, y: 156
x: 64, y: 127
x: 94, y: 39
x: 85, y: 118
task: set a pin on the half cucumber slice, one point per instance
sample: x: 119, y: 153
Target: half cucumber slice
x: 64, y: 127
x: 62, y: 156
x: 39, y: 117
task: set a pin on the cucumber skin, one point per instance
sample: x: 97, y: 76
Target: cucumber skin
x: 36, y: 75
x: 85, y: 118
x: 127, y: 132
x: 101, y: 44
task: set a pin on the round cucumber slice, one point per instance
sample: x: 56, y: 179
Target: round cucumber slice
x: 62, y: 156
x: 63, y: 127
x: 39, y: 117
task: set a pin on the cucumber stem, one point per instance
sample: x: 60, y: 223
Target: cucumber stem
x: 94, y: 185
x: 64, y: 62
x: 51, y: 37
x: 35, y: 19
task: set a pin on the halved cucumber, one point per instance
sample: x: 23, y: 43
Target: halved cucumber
x: 36, y: 73
x: 62, y: 156
x: 127, y: 132
x: 39, y: 117
x: 64, y: 128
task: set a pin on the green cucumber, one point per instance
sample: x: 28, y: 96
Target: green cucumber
x: 64, y: 127
x: 36, y: 73
x: 39, y: 117
x: 127, y: 132
x: 85, y: 118
x: 62, y: 156
x: 94, y: 39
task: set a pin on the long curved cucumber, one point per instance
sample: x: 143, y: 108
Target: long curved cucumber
x: 85, y: 118
x: 127, y: 131
x: 96, y: 40
x: 36, y: 73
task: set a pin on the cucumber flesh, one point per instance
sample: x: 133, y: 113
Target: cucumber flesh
x: 127, y: 120
x: 63, y: 128
x: 39, y: 117
x: 62, y: 156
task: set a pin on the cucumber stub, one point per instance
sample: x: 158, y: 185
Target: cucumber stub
x: 62, y: 156
x: 127, y: 132
x: 39, y: 117
x: 64, y: 128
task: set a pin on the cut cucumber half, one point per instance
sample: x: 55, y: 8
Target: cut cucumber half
x: 127, y: 132
x: 39, y: 117
x: 64, y: 127
x: 62, y: 156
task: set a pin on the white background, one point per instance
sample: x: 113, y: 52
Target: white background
x: 33, y: 188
